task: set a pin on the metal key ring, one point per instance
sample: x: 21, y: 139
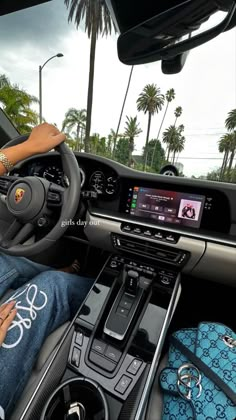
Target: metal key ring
x: 189, y: 389
x: 188, y: 366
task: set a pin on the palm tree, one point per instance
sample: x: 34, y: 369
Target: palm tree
x: 122, y: 110
x: 70, y: 142
x: 94, y: 142
x: 97, y: 21
x: 113, y: 136
x: 16, y: 103
x: 132, y: 130
x: 177, y: 145
x: 230, y: 122
x: 232, y: 149
x: 178, y: 113
x: 227, y: 145
x: 181, y: 130
x: 75, y: 119
x: 224, y: 147
x: 171, y: 137
x: 170, y: 96
x: 4, y: 81
x: 150, y: 101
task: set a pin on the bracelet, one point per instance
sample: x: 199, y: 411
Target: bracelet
x: 6, y: 162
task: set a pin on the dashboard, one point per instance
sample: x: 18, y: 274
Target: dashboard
x: 172, y: 203
x: 99, y: 177
x: 142, y: 213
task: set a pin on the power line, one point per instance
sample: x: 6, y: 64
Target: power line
x: 203, y: 134
x: 199, y: 158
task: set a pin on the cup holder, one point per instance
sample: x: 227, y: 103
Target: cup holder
x: 76, y: 399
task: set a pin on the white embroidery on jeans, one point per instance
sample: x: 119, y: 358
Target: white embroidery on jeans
x: 20, y: 322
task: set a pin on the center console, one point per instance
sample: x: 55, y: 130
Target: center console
x: 116, y: 343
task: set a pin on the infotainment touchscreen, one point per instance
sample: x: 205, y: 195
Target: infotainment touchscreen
x: 166, y: 206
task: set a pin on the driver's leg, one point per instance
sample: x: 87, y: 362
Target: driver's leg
x: 42, y: 305
x: 15, y: 271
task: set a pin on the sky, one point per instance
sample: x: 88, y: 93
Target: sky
x: 206, y: 87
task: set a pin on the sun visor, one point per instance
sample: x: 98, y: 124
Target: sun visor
x: 9, y: 6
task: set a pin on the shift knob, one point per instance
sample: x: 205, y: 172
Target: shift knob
x: 132, y: 282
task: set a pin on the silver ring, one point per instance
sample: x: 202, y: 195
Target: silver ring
x: 189, y: 366
x: 189, y: 377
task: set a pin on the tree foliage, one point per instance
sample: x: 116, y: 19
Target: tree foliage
x: 132, y: 130
x: 16, y: 103
x: 174, y: 140
x: 75, y: 119
x: 97, y: 20
x: 150, y: 101
x: 122, y: 151
x: 159, y: 159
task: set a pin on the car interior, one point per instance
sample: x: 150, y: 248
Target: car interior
x: 157, y: 266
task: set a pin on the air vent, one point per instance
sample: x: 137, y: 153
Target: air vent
x: 148, y: 249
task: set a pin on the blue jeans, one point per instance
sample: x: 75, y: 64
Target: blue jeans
x: 45, y: 300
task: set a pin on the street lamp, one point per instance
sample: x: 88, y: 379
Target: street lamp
x: 59, y: 55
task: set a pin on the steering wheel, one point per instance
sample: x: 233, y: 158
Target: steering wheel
x: 33, y: 200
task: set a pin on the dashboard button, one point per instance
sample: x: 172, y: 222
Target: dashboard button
x: 113, y: 264
x: 170, y: 238
x: 165, y: 280
x: 102, y: 362
x: 126, y: 302
x: 138, y: 231
x: 99, y: 346
x: 147, y: 233
x: 127, y: 228
x: 79, y: 338
x: 134, y: 366
x: 123, y: 384
x: 75, y: 358
x: 121, y: 311
x: 113, y: 354
x: 158, y: 235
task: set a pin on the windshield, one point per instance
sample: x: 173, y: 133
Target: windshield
x: 136, y: 116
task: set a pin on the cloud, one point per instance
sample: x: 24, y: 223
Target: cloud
x: 44, y: 24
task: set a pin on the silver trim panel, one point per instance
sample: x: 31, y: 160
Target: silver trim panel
x: 98, y: 232
x: 168, y: 229
x: 152, y: 372
x: 218, y: 264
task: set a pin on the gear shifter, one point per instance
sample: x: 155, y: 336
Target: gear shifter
x: 132, y: 282
x: 125, y: 305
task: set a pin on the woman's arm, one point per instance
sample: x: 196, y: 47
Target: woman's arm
x: 42, y: 139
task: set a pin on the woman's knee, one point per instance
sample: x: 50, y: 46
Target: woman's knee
x: 51, y: 280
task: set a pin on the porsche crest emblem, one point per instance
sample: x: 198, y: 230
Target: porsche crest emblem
x: 19, y: 194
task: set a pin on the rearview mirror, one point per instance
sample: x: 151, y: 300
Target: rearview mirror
x: 168, y: 36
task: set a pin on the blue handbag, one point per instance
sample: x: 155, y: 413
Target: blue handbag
x: 200, y: 380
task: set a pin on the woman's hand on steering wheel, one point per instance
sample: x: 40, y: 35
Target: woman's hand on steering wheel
x: 43, y: 138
